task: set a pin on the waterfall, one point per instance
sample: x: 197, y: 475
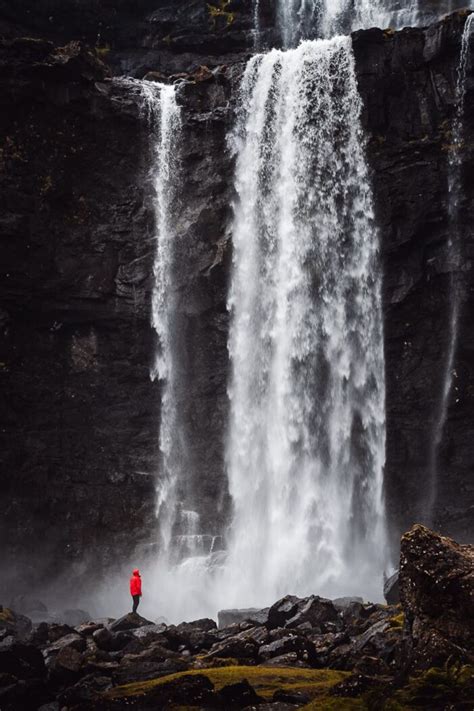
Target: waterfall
x: 308, y: 19
x: 256, y: 24
x: 306, y: 439
x: 164, y: 122
x: 455, y: 191
x: 162, y: 115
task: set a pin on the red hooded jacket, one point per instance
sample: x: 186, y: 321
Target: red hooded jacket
x: 136, y: 583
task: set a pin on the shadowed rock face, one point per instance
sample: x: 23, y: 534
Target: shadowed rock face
x: 80, y: 416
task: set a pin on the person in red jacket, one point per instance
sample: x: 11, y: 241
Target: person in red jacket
x: 136, y: 588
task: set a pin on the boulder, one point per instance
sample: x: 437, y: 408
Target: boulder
x: 24, y: 695
x: 56, y: 631
x: 190, y: 635
x: 342, y: 603
x: 225, y: 618
x: 103, y: 638
x: 109, y: 641
x: 303, y: 648
x: 69, y: 659
x: 148, y: 631
x: 88, y: 628
x: 286, y: 660
x: 282, y: 611
x: 65, y: 667
x: 234, y: 647
x: 437, y: 596
x: 84, y: 691
x: 204, y: 625
x: 291, y: 612
x: 12, y: 623
x: 391, y: 589
x: 239, y: 695
x: 130, y: 621
x: 23, y: 661
x: 73, y: 640
x: 291, y: 697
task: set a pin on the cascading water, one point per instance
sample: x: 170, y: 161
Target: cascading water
x: 164, y: 120
x: 306, y: 442
x: 306, y: 445
x: 455, y: 190
x: 307, y: 19
x: 162, y: 115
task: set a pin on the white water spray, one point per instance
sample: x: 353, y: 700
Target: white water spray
x: 307, y: 428
x: 455, y: 191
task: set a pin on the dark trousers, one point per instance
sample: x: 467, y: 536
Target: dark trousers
x: 136, y: 601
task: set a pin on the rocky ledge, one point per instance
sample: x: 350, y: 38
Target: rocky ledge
x: 309, y: 653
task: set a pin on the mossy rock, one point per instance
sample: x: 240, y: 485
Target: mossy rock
x: 397, y: 621
x: 6, y: 616
x: 316, y: 683
x: 453, y: 686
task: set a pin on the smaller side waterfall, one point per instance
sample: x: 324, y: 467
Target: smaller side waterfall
x: 455, y: 191
x: 163, y: 117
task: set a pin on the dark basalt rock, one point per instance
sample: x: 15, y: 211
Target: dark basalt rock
x: 292, y: 643
x: 437, y: 594
x: 234, y: 648
x: 391, y: 591
x: 23, y: 661
x: 291, y: 697
x: 292, y: 612
x: 130, y: 621
x: 86, y: 690
x: 225, y: 618
x: 239, y: 695
x: 14, y: 624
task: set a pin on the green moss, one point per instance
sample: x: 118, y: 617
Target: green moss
x: 450, y: 686
x: 102, y: 52
x: 220, y: 10
x: 6, y: 615
x: 397, y: 620
x: 265, y: 680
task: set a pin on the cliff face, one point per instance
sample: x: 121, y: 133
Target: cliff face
x: 79, y: 412
x: 80, y: 416
x: 408, y: 84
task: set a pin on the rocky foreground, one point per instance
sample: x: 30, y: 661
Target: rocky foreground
x: 309, y: 653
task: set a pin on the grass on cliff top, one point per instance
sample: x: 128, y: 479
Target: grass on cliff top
x: 265, y: 681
